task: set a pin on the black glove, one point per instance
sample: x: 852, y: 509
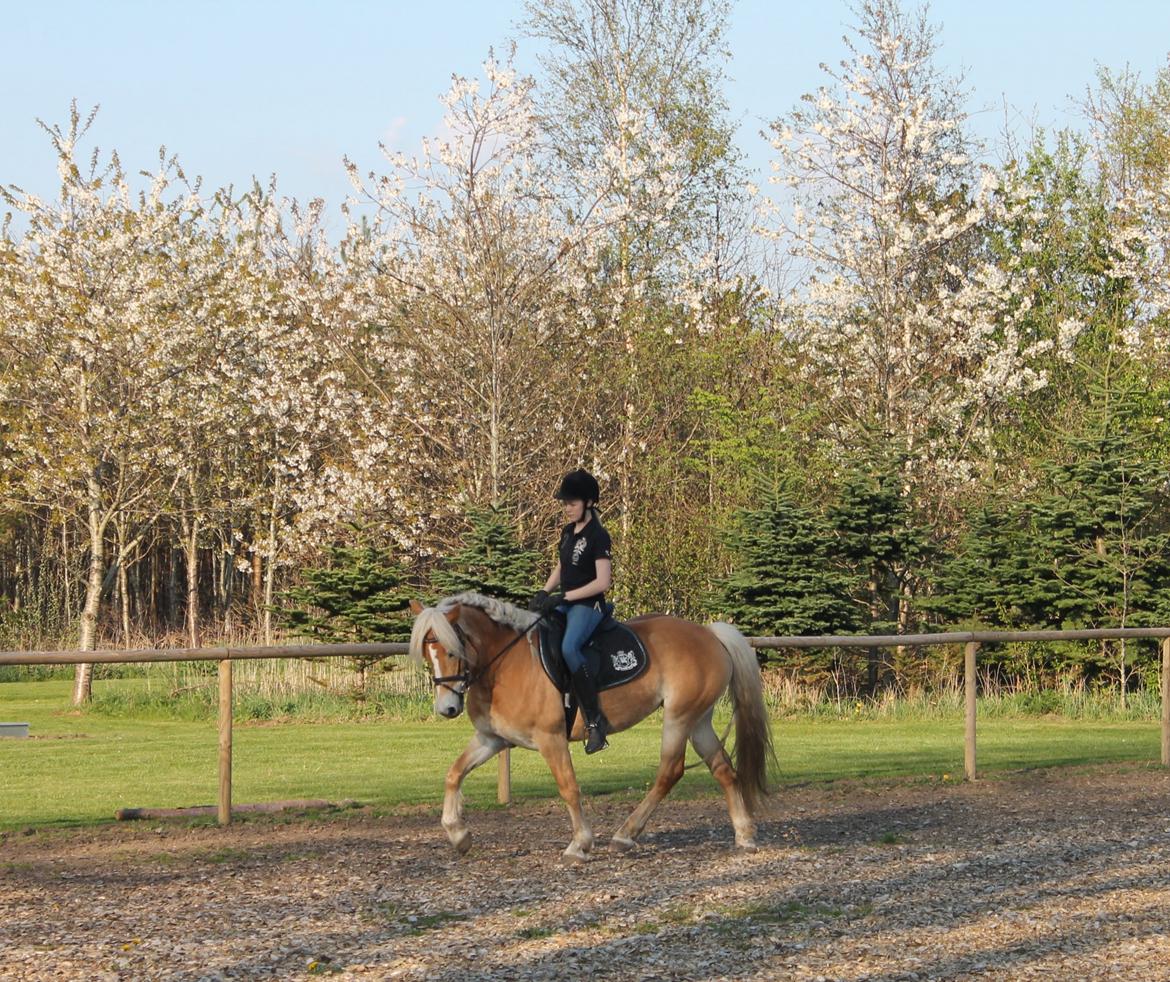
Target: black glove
x: 550, y: 603
x: 536, y: 604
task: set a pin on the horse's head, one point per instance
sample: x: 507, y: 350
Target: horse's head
x: 435, y: 641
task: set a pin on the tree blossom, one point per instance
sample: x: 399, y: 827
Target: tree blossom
x: 916, y: 332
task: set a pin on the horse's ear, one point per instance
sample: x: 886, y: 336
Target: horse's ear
x: 453, y: 614
x: 416, y: 608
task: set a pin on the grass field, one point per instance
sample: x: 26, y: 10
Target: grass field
x: 80, y: 768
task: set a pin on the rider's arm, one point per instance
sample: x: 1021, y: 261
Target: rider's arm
x: 554, y: 579
x: 599, y: 585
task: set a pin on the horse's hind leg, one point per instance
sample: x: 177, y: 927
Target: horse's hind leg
x: 481, y: 748
x: 555, y: 751
x: 710, y: 748
x: 670, y: 769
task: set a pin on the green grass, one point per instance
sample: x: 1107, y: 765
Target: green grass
x: 137, y: 698
x: 80, y: 768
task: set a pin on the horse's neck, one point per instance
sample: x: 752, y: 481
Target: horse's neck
x: 487, y: 637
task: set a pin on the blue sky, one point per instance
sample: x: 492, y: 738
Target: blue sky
x: 244, y: 88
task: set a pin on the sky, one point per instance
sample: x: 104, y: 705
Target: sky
x: 255, y: 87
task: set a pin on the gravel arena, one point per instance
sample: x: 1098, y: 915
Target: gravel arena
x: 1061, y: 874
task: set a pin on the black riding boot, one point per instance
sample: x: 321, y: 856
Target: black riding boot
x: 596, y: 725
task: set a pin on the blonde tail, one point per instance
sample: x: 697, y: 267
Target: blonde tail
x: 753, y: 735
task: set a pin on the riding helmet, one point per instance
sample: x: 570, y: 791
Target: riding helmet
x: 579, y: 485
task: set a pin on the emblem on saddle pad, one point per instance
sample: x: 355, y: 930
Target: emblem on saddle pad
x: 623, y: 661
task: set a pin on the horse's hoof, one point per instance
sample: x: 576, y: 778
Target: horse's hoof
x: 462, y: 844
x: 622, y: 844
x: 748, y: 845
x: 570, y: 858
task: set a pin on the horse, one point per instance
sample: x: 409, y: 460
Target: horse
x: 470, y: 644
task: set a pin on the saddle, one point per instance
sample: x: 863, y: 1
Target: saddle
x: 614, y: 656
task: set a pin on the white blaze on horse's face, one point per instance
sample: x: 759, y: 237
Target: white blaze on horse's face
x: 448, y: 695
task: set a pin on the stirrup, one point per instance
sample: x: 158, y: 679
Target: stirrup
x: 592, y: 730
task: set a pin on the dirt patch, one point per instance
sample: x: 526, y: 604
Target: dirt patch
x: 1058, y: 874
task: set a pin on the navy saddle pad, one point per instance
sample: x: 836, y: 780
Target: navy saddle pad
x: 615, y: 655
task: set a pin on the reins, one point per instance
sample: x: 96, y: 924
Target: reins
x: 499, y: 654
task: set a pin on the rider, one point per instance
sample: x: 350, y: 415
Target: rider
x: 584, y: 571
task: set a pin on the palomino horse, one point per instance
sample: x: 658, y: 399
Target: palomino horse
x: 469, y: 643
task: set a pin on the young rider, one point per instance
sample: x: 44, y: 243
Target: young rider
x: 584, y: 571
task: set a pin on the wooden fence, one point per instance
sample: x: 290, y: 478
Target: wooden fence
x: 971, y: 641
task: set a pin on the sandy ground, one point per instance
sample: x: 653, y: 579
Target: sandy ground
x: 1059, y: 874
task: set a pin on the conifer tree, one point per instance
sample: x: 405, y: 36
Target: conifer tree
x: 783, y: 579
x: 492, y: 562
x: 1000, y: 575
x: 875, y: 541
x: 878, y: 546
x: 362, y: 596
x: 1104, y: 519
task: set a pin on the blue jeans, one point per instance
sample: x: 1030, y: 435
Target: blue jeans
x: 582, y: 620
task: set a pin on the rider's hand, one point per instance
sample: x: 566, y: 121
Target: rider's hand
x: 536, y: 604
x: 550, y: 603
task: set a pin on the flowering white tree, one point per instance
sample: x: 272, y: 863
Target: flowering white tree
x: 914, y: 330
x: 94, y: 325
x: 479, y: 269
x: 315, y: 455
x: 1131, y: 123
x: 633, y: 103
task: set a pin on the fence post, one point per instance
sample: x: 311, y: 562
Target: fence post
x: 504, y: 783
x: 1166, y: 702
x: 225, y: 741
x: 969, y: 683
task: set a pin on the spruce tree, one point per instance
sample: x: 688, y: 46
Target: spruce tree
x: 492, y: 562
x: 783, y: 580
x: 362, y: 596
x: 1000, y: 574
x: 876, y: 541
x: 1104, y: 519
x: 877, y: 546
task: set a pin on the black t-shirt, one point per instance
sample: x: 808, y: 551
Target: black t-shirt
x: 579, y: 552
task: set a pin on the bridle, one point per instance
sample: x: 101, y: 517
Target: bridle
x: 462, y: 680
x: 467, y: 678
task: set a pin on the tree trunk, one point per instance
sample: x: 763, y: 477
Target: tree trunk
x: 83, y: 679
x: 1124, y: 676
x: 154, y: 586
x: 257, y: 581
x: 229, y: 582
x: 124, y: 598
x: 172, y: 589
x: 270, y: 573
x: 872, y: 662
x: 68, y: 580
x: 191, y: 554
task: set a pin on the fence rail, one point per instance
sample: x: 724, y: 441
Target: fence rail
x: 970, y: 640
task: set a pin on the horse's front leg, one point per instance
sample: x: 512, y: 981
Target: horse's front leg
x: 480, y: 748
x: 554, y: 748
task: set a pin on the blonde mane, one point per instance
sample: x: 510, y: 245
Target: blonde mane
x: 435, y: 619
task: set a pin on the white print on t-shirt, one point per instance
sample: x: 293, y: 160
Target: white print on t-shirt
x: 578, y: 548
